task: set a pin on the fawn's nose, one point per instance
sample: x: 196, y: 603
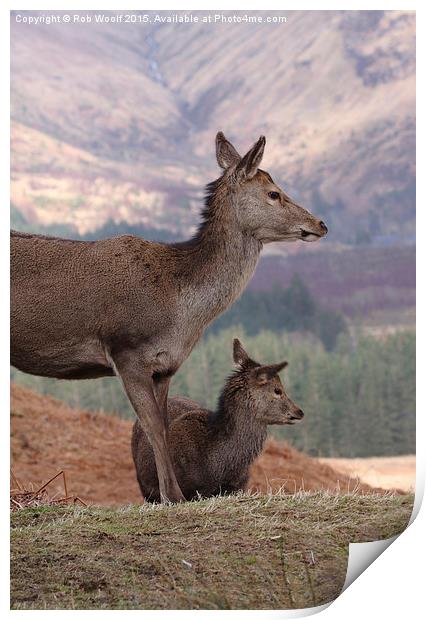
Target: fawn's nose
x: 298, y: 414
x: 323, y: 227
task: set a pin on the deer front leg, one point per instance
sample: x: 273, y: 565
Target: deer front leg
x: 161, y: 389
x: 140, y: 389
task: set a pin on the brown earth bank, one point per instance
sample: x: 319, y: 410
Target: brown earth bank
x: 94, y: 451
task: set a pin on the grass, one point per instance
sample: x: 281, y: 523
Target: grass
x: 238, y: 552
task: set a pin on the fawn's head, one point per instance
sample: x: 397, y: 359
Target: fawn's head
x: 260, y: 207
x: 264, y: 390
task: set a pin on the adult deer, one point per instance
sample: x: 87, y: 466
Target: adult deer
x: 134, y: 308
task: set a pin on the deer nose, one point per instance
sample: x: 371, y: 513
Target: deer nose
x: 298, y: 414
x: 323, y: 227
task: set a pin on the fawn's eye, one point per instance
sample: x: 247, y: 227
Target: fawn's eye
x: 278, y: 391
x: 273, y: 195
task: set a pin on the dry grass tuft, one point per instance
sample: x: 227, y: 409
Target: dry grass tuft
x: 20, y: 497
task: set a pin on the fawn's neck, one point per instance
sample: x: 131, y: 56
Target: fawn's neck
x: 237, y: 438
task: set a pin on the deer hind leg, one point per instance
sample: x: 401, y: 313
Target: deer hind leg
x: 140, y: 389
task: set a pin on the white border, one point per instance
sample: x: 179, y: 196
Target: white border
x: 393, y: 585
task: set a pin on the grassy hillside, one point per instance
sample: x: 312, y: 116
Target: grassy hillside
x: 240, y: 552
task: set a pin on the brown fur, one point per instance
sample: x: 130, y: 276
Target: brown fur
x: 212, y: 451
x: 136, y: 308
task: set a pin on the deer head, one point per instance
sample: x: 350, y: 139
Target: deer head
x: 260, y: 207
x: 264, y: 390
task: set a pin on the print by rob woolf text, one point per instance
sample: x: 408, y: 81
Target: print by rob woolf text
x: 146, y: 18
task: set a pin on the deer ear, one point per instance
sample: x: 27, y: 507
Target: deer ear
x: 241, y: 358
x: 249, y: 164
x: 276, y: 368
x: 226, y: 155
x: 265, y: 373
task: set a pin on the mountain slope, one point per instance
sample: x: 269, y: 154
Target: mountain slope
x: 141, y: 103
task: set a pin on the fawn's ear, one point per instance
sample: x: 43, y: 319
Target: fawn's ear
x: 249, y: 164
x: 241, y: 358
x: 226, y: 154
x: 266, y: 373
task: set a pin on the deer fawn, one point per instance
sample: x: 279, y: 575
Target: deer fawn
x: 212, y: 451
x: 134, y: 308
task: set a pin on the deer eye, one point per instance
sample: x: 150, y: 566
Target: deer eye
x: 278, y: 391
x: 273, y: 195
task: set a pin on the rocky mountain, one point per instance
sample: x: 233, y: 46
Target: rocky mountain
x: 116, y: 121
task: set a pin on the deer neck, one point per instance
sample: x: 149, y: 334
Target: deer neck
x: 221, y: 261
x: 237, y: 438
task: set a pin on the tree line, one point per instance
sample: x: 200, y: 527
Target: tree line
x: 293, y: 309
x: 358, y: 399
